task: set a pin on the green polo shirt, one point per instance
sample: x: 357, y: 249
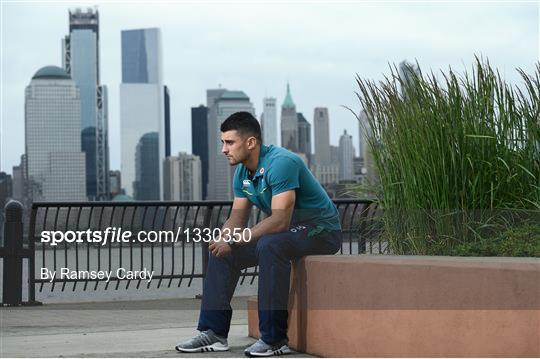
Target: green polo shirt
x: 280, y: 170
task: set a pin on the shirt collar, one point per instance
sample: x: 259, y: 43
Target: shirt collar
x: 260, y: 167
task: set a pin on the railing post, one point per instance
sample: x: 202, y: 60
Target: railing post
x: 13, y: 238
x: 204, y: 246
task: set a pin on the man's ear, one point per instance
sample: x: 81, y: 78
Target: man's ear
x: 252, y: 142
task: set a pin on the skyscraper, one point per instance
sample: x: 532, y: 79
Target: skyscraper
x: 289, y: 123
x: 81, y: 61
x: 146, y: 185
x: 182, y: 178
x: 220, y: 172
x: 322, y: 136
x: 115, y: 178
x: 18, y: 188
x: 6, y: 189
x: 407, y: 72
x: 269, y: 122
x: 304, y: 135
x: 144, y: 104
x: 362, y: 123
x: 55, y: 164
x: 199, y: 141
x: 346, y: 157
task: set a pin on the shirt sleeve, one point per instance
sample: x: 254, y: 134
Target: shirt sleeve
x: 237, y: 184
x: 283, y: 175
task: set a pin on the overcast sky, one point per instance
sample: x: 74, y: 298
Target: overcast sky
x: 257, y: 47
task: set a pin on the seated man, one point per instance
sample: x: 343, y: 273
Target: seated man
x: 302, y: 220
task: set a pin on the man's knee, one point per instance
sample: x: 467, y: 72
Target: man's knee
x: 218, y: 262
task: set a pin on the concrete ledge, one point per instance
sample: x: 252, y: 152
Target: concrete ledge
x: 409, y: 306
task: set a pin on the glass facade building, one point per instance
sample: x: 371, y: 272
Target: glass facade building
x: 81, y: 62
x: 146, y: 185
x: 220, y: 173
x: 304, y: 135
x: 144, y: 108
x: 55, y: 164
x: 269, y: 122
x: 289, y: 123
x: 199, y: 141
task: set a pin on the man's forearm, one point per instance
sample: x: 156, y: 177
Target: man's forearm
x: 233, y: 223
x: 272, y: 224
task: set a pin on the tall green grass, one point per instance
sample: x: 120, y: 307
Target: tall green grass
x: 458, y: 157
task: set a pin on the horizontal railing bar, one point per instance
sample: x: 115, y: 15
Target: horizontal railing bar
x: 164, y: 203
x: 131, y: 204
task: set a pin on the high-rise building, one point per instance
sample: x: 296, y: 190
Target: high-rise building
x: 362, y: 123
x: 116, y: 183
x: 304, y: 135
x: 321, y: 124
x: 55, y: 165
x: 269, y: 122
x: 18, y: 192
x: 289, y: 123
x: 346, y: 157
x: 144, y: 105
x: 358, y: 165
x: 370, y: 169
x: 6, y: 189
x: 81, y: 61
x: 220, y: 173
x: 199, y: 141
x: 407, y: 71
x: 167, y: 119
x: 20, y: 182
x: 146, y: 185
x: 334, y: 154
x: 182, y: 178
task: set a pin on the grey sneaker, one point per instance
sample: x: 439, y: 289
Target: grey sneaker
x: 261, y: 349
x: 205, y: 341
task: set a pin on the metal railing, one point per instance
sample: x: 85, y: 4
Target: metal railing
x: 173, y: 262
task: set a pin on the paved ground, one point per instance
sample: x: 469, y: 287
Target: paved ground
x: 147, y: 328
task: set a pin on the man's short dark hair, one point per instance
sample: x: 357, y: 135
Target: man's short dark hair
x: 244, y: 123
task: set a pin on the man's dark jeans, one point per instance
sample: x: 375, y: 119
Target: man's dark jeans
x: 273, y: 253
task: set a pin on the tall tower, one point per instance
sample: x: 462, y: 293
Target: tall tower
x: 220, y: 173
x: 289, y: 123
x: 304, y: 135
x: 322, y: 136
x: 55, y: 165
x: 346, y: 157
x: 144, y: 105
x: 407, y: 72
x: 81, y: 61
x: 269, y: 121
x: 199, y: 141
x: 362, y: 123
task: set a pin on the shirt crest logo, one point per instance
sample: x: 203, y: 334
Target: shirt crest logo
x: 261, y: 170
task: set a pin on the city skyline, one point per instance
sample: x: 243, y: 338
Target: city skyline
x: 320, y: 62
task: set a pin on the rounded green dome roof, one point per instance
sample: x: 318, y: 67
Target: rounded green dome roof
x: 51, y: 72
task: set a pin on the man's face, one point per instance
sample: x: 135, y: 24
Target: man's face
x: 235, y: 148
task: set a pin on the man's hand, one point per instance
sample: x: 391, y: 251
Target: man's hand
x: 220, y: 248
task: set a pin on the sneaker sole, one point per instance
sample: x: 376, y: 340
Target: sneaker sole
x: 281, y: 351
x: 216, y: 347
